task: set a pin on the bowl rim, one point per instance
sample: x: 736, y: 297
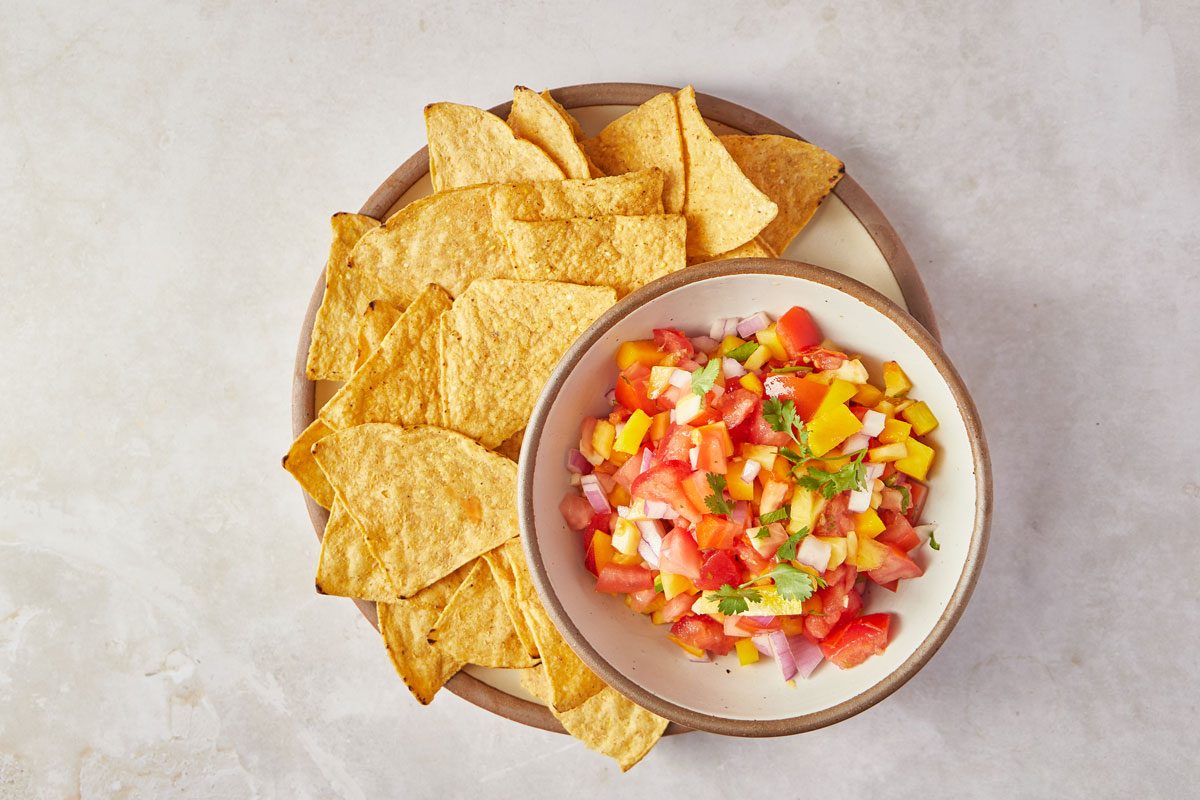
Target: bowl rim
x: 966, y: 581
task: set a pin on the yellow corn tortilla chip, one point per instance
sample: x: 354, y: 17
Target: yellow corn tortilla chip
x: 373, y: 325
x: 404, y: 626
x: 534, y: 119
x: 797, y: 175
x: 500, y: 341
x: 755, y: 248
x: 428, y: 500
x: 619, y: 251
x: 567, y: 116
x: 500, y: 562
x: 300, y: 462
x: 571, y: 682
x: 399, y: 382
x: 612, y: 724
x: 475, y: 627
x: 347, y: 568
x: 332, y: 349
x: 648, y: 136
x: 510, y: 448
x: 632, y: 194
x: 468, y: 145
x: 723, y: 208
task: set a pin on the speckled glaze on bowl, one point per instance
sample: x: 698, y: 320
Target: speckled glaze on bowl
x: 635, y: 656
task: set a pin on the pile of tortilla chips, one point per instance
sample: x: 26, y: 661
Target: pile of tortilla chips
x: 444, y: 322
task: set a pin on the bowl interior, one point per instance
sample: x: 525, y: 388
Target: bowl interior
x: 625, y: 647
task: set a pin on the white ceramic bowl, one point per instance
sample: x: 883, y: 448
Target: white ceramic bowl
x: 633, y: 655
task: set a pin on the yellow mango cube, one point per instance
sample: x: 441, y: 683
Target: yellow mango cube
x: 635, y: 430
x: 756, y: 360
x: 676, y: 584
x: 602, y: 549
x: 917, y: 460
x: 867, y: 395
x: 806, y: 505
x: 750, y: 382
x: 868, y: 525
x: 746, y: 651
x: 738, y: 488
x: 921, y: 418
x: 839, y: 392
x: 870, y: 555
x: 626, y: 537
x: 768, y: 337
x: 603, y: 437
x: 887, y: 452
x: 895, y: 382
x: 829, y: 429
x: 894, y: 430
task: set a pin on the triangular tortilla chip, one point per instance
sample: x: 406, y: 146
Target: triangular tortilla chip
x: 534, y: 119
x: 332, y: 349
x: 399, y: 382
x: 475, y: 627
x: 373, y: 325
x: 755, y: 248
x: 648, y: 136
x: 723, y: 208
x: 404, y: 626
x: 632, y: 194
x: 797, y: 175
x: 347, y: 568
x: 299, y: 461
x: 500, y: 342
x: 567, y: 116
x: 500, y: 560
x: 610, y: 723
x: 428, y: 500
x: 468, y: 145
x: 618, y: 251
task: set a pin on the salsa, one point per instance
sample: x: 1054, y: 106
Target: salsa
x: 747, y: 487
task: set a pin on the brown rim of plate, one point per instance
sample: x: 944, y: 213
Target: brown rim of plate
x: 962, y: 591
x: 383, y: 199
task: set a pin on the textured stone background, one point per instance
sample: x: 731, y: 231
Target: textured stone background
x: 165, y: 178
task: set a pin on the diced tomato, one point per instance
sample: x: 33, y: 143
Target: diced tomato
x: 704, y: 633
x: 711, y: 454
x: 899, y: 531
x: 679, y: 554
x: 821, y: 358
x: 891, y: 500
x: 835, y: 519
x: 842, y: 576
x: 643, y: 601
x: 736, y: 406
x: 833, y: 606
x: 854, y: 604
x: 600, y: 521
x: 670, y: 340
x: 890, y: 586
x: 896, y: 566
x: 628, y: 471
x: 664, y: 483
x: 624, y: 578
x: 761, y: 624
x: 618, y: 415
x: 760, y: 432
x: 806, y: 395
x: 857, y: 640
x: 753, y: 562
x: 576, y: 510
x: 797, y: 331
x: 589, y: 556
x: 677, y: 606
x: 675, y: 446
x: 696, y: 487
x: 717, y: 570
x: 918, y: 492
x: 716, y: 533
x: 632, y: 387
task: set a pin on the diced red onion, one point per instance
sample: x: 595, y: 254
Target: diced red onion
x: 730, y: 327
x: 611, y: 397
x: 694, y: 456
x: 705, y: 343
x: 647, y: 460
x: 750, y: 471
x: 762, y: 645
x: 874, y: 472
x: 701, y: 358
x: 752, y: 325
x: 740, y: 513
x: 733, y: 629
x: 607, y: 482
x: 680, y: 379
x: 717, y: 330
x: 760, y: 620
x: 873, y: 423
x: 688, y: 365
x: 860, y: 499
x: 577, y: 463
x: 783, y: 654
x: 655, y: 509
x: 652, y: 533
x: 815, y: 553
x: 670, y: 513
x: 855, y: 443
x: 731, y: 368
x: 647, y: 553
x: 594, y: 493
x: 806, y: 654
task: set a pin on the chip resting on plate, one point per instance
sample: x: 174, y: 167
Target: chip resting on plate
x: 648, y: 136
x: 576, y: 130
x: 404, y: 626
x: 332, y: 349
x: 399, y: 382
x: 797, y: 175
x: 428, y: 500
x: 535, y: 119
x: 632, y: 194
x: 723, y: 208
x: 300, y: 462
x: 755, y: 248
x: 500, y: 341
x: 619, y: 251
x: 347, y: 568
x: 475, y: 626
x: 373, y: 325
x: 468, y: 145
x: 500, y: 560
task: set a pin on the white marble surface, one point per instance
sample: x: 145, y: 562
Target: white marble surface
x: 167, y: 173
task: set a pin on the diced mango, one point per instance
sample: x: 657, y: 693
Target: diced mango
x: 768, y: 336
x: 806, y: 505
x: 887, y: 452
x: 764, y: 454
x: 627, y: 560
x: 894, y: 430
x: 830, y: 428
x: 676, y: 584
x: 718, y: 429
x: 659, y: 425
x: 738, y: 488
x: 746, y: 651
x: 729, y: 343
x: 780, y: 470
x: 602, y: 438
x: 870, y: 554
x: 895, y: 382
x: 756, y: 360
x: 921, y: 417
x: 886, y: 407
x: 633, y: 433
x: 850, y: 370
x: 602, y: 549
x: 867, y: 524
x: 838, y: 547
x: 839, y: 392
x: 638, y: 351
x: 917, y: 460
x: 750, y: 382
x: 619, y: 496
x: 660, y: 379
x: 696, y: 651
x: 867, y: 395
x: 625, y: 537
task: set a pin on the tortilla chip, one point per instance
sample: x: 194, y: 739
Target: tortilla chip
x: 632, y: 194
x: 332, y: 348
x: 428, y: 500
x: 373, y: 325
x: 468, y: 145
x: 404, y: 626
x: 534, y: 119
x: 510, y: 448
x: 619, y: 251
x: 475, y: 627
x: 347, y: 567
x: 648, y: 136
x: 723, y: 208
x: 500, y: 562
x: 567, y: 116
x: 571, y: 682
x: 300, y: 462
x: 755, y: 248
x: 500, y: 341
x: 614, y: 725
x: 399, y: 382
x: 797, y: 175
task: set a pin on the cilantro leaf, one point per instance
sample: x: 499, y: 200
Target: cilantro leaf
x: 777, y: 515
x: 735, y: 601
x: 792, y: 583
x: 787, y: 550
x: 934, y: 542
x: 850, y: 477
x: 742, y: 351
x: 786, y: 370
x: 905, y: 500
x: 704, y: 378
x: 762, y: 533
x: 716, y: 501
x: 780, y: 415
x: 791, y: 455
